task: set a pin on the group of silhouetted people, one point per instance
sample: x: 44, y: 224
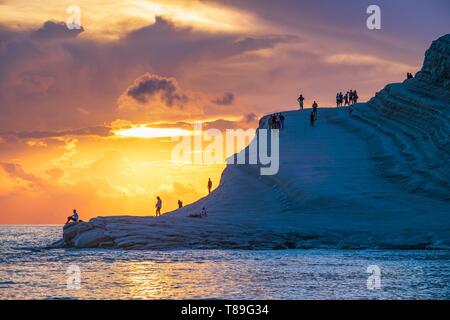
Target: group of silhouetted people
x: 409, y: 75
x: 313, y: 114
x: 158, y: 204
x: 349, y: 98
x: 276, y: 121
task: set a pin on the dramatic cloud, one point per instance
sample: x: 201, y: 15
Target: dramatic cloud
x: 150, y: 86
x: 66, y: 80
x: 152, y: 97
x: 55, y: 30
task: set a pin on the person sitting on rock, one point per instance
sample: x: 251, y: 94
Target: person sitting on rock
x: 202, y: 214
x: 158, y: 206
x: 73, y: 217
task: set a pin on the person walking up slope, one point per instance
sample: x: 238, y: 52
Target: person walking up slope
x: 355, y: 96
x: 158, y: 206
x: 209, y: 185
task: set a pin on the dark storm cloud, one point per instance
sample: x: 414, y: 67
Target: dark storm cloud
x: 55, y: 30
x: 150, y: 85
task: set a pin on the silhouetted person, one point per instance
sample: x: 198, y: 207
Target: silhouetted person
x: 300, y: 101
x: 209, y: 185
x: 355, y: 96
x: 271, y: 121
x: 73, y: 217
x: 275, y: 121
x: 350, y: 96
x: 158, y: 206
x: 180, y: 204
x: 281, y: 117
x: 314, y: 107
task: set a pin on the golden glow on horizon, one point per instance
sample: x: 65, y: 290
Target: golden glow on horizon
x: 110, y: 20
x: 147, y: 132
x: 198, y: 15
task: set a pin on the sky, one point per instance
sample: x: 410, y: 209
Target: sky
x: 73, y: 103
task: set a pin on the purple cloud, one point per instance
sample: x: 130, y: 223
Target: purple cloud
x: 150, y: 85
x: 55, y: 30
x: 226, y: 100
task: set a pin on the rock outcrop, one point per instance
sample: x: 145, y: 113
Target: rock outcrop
x: 436, y: 67
x: 415, y: 116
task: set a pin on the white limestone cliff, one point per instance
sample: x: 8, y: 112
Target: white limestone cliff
x: 376, y: 178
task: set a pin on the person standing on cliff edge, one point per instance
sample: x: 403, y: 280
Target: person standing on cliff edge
x: 314, y: 108
x: 209, y: 185
x: 158, y: 206
x: 300, y: 101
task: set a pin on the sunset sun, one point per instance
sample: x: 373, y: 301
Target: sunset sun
x: 148, y: 132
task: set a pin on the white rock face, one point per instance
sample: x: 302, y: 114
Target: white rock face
x: 376, y: 178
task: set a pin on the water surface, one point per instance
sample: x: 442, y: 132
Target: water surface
x: 29, y: 271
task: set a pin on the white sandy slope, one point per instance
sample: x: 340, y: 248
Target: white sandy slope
x: 376, y: 178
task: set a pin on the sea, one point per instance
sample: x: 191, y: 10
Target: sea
x: 30, y: 270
